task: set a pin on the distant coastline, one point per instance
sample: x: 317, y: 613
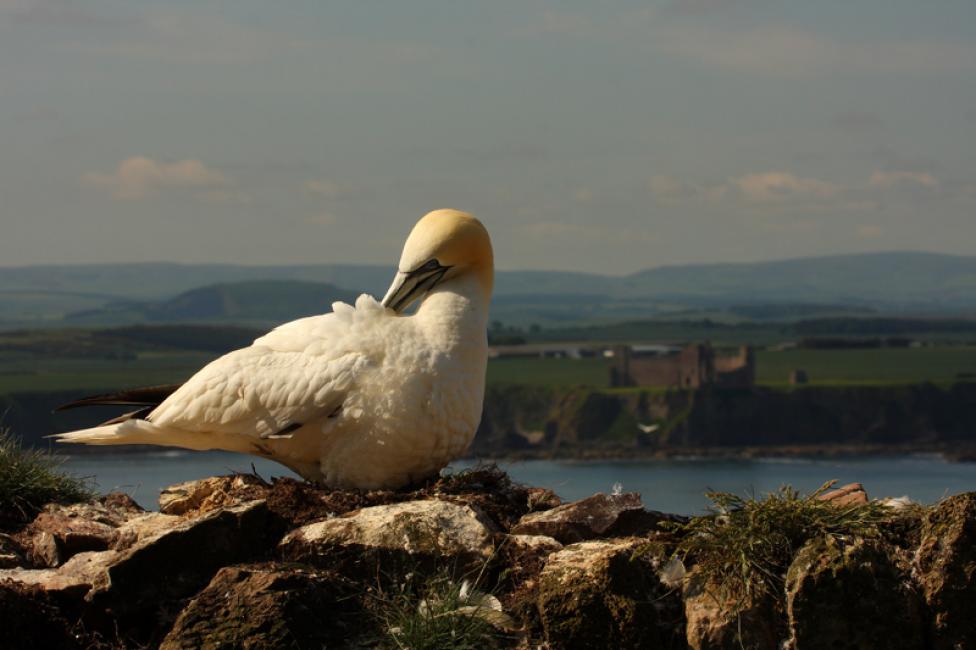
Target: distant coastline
x: 951, y: 453
x: 548, y: 423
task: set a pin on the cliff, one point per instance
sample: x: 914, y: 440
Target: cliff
x: 543, y: 421
x: 475, y: 561
x: 546, y: 422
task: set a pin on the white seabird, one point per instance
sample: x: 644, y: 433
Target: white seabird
x: 362, y: 397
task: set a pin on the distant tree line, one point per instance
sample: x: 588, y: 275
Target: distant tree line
x: 881, y: 326
x: 204, y: 338
x: 814, y: 343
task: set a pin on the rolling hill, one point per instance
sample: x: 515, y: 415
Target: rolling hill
x: 259, y: 302
x: 911, y: 282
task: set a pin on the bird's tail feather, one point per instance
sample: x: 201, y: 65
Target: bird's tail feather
x: 143, y: 432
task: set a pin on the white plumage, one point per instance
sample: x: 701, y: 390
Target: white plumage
x: 364, y: 396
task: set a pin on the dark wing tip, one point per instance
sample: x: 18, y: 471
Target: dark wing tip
x: 149, y: 396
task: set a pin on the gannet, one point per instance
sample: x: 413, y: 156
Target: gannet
x: 367, y: 396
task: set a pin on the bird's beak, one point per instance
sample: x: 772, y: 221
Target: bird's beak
x: 408, y: 286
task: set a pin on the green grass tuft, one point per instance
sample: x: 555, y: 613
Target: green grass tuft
x: 433, y: 613
x: 29, y: 479
x: 746, y: 545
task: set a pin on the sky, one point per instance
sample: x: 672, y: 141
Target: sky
x: 596, y: 136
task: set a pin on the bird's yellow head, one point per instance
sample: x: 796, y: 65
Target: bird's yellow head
x: 444, y: 245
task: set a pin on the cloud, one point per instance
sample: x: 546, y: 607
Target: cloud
x: 561, y: 22
x: 857, y: 121
x: 783, y: 50
x: 592, y: 24
x: 782, y: 192
x: 323, y: 219
x: 781, y: 187
x: 177, y: 36
x: 585, y: 233
x: 139, y: 177
x: 892, y: 160
x: 765, y: 188
x: 704, y: 7
x: 669, y: 189
x: 507, y: 152
x: 225, y: 197
x: 896, y: 179
x: 327, y: 189
x: 172, y: 35
x: 323, y: 189
x: 583, y: 195
x: 50, y: 12
x: 869, y: 231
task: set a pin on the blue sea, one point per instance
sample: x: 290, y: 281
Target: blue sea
x: 670, y: 485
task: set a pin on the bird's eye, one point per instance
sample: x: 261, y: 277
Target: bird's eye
x: 431, y: 265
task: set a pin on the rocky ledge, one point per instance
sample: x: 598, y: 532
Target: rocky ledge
x: 471, y: 560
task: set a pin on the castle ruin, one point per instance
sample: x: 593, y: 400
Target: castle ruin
x: 695, y: 366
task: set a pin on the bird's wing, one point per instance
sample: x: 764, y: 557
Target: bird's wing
x: 299, y: 372
x: 362, y: 320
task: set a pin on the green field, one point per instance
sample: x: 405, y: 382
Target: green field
x: 55, y: 374
x: 107, y: 359
x: 878, y: 365
x: 550, y: 372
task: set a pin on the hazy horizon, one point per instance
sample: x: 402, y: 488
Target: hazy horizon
x: 391, y: 265
x: 606, y: 139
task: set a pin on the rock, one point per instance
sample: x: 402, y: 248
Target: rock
x: 600, y: 515
x: 11, y: 554
x: 30, y: 621
x: 67, y: 530
x: 178, y: 560
x: 298, y: 503
x: 155, y: 557
x: 60, y: 531
x: 269, y: 606
x: 542, y: 499
x: 44, y: 550
x: 120, y: 503
x: 535, y: 544
x: 522, y: 558
x: 66, y: 584
x: 715, y: 620
x: 846, y: 495
x: 420, y: 529
x: 489, y: 490
x: 945, y: 567
x: 205, y: 495
x: 597, y: 594
x: 836, y: 589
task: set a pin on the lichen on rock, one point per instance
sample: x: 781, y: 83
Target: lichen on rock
x: 602, y: 593
x: 717, y: 618
x: 422, y: 530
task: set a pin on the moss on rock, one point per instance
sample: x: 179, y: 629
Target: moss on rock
x: 268, y: 606
x: 946, y: 567
x: 838, y: 591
